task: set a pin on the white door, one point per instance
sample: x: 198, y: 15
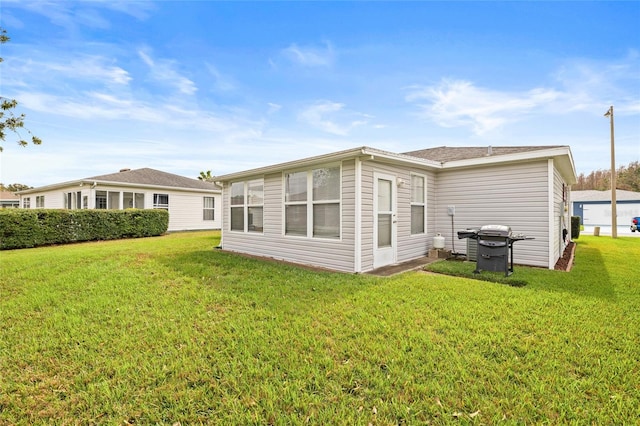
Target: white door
x: 384, y: 222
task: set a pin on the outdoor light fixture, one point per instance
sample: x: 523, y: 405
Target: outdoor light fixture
x: 614, y: 213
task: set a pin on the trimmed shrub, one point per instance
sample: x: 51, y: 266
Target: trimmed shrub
x: 22, y: 228
x: 575, y: 227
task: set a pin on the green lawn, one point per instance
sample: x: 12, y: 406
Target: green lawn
x: 165, y: 330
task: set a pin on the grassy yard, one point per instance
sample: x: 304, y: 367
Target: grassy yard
x: 165, y: 330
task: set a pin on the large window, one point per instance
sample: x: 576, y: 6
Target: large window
x: 247, y: 206
x: 39, y: 201
x: 72, y: 200
x: 417, y: 204
x: 208, y: 208
x: 133, y: 200
x: 101, y: 199
x: 161, y: 201
x: 312, y: 203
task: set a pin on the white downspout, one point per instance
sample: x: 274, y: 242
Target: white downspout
x: 551, y: 213
x: 357, y: 262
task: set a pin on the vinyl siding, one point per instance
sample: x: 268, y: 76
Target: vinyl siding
x: 185, y: 208
x: 515, y: 195
x: 327, y: 253
x: 561, y: 218
x: 408, y: 246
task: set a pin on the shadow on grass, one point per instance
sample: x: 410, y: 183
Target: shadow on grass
x: 266, y: 282
x: 588, y: 277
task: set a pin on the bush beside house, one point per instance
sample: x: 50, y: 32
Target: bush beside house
x: 22, y: 228
x: 575, y: 227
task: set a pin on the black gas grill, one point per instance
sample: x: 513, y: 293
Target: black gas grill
x: 495, y: 247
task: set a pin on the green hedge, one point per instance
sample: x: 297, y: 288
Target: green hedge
x: 22, y: 228
x: 575, y: 227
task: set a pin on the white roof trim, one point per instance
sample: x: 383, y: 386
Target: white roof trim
x: 91, y: 182
x: 567, y: 167
x: 363, y: 151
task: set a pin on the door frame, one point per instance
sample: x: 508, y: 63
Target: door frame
x: 387, y: 255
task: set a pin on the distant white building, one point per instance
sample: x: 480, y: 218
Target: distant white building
x: 8, y: 200
x: 594, y: 207
x: 192, y: 204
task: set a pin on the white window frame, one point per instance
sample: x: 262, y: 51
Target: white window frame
x: 247, y: 205
x: 422, y: 204
x: 39, y: 201
x: 100, y: 197
x: 157, y: 204
x: 26, y: 203
x: 206, y: 209
x: 135, y: 198
x: 310, y: 202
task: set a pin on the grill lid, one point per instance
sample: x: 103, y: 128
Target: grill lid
x: 495, y: 231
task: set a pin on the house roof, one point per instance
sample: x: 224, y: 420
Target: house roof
x: 593, y: 195
x: 443, y: 154
x: 363, y: 151
x: 8, y: 196
x: 144, y: 177
x: 439, y: 158
x: 154, y: 177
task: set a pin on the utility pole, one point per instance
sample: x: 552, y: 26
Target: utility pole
x: 614, y: 212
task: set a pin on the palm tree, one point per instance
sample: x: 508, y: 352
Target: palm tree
x: 206, y: 176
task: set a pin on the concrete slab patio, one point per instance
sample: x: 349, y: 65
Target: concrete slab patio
x: 398, y: 268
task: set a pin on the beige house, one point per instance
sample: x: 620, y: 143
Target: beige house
x: 364, y: 208
x: 192, y: 204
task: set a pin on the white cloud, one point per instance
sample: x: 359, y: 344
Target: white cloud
x: 71, y: 15
x: 309, y: 56
x: 455, y: 103
x: 221, y: 82
x: 273, y: 108
x: 331, y: 117
x: 164, y: 71
x: 26, y: 72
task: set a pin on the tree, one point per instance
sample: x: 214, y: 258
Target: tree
x: 8, y: 119
x: 206, y: 176
x: 14, y: 187
x: 627, y: 178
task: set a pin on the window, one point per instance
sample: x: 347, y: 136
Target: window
x: 133, y: 200
x: 247, y: 204
x: 312, y: 203
x: 255, y: 202
x: 40, y: 201
x: 161, y: 201
x: 101, y: 199
x: 26, y: 203
x: 85, y: 202
x: 417, y: 204
x: 208, y: 212
x: 72, y: 200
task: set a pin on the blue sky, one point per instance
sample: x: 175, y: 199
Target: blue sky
x: 186, y: 87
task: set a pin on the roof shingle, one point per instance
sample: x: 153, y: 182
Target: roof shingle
x: 444, y: 154
x: 147, y: 176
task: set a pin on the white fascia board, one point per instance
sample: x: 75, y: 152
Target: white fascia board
x: 51, y: 187
x: 563, y: 154
x: 364, y: 151
x: 148, y: 186
x: 90, y: 182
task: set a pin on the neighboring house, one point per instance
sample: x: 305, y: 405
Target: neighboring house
x: 9, y: 200
x: 192, y: 204
x: 363, y: 208
x: 594, y: 207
